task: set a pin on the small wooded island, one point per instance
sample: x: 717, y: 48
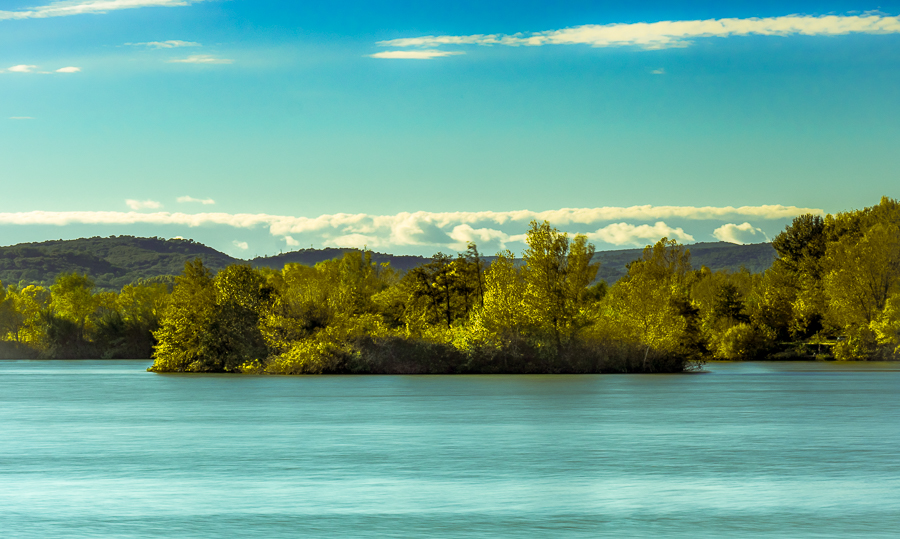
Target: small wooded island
x: 833, y: 293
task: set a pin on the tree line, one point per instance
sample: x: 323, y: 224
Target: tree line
x: 833, y: 293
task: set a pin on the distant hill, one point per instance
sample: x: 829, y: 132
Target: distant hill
x: 116, y: 261
x: 311, y: 257
x: 112, y: 262
x: 757, y: 257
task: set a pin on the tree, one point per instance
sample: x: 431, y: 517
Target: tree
x: 862, y: 274
x: 557, y: 273
x: 504, y: 315
x: 802, y: 243
x: 440, y: 291
x: 73, y: 299
x: 182, y: 335
x: 651, y: 303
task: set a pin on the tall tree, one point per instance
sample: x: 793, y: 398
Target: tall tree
x: 557, y: 273
x: 182, y: 336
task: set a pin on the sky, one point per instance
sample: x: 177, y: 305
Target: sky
x: 261, y: 126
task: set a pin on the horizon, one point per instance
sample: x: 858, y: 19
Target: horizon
x: 258, y: 127
x: 248, y: 258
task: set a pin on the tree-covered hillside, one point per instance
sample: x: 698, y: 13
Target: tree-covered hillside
x: 112, y: 262
x: 719, y: 256
x: 115, y: 261
x: 311, y: 257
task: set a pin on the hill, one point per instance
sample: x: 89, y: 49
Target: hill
x: 112, y: 262
x: 116, y: 261
x: 756, y: 257
x: 311, y: 257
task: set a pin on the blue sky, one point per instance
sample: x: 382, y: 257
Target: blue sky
x: 320, y: 124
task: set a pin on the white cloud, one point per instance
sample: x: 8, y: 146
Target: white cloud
x: 65, y: 8
x: 170, y: 44
x: 21, y: 118
x: 242, y: 245
x: 448, y: 230
x: 68, y: 70
x: 627, y: 234
x: 143, y: 204
x: 488, y: 239
x: 659, y: 71
x: 204, y: 201
x: 21, y: 69
x: 742, y: 234
x: 414, y: 55
x: 201, y: 59
x: 668, y: 34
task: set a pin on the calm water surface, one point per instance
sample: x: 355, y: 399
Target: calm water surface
x: 104, y: 449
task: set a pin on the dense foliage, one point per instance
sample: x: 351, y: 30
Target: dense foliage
x: 113, y: 262
x: 451, y: 315
x: 833, y: 292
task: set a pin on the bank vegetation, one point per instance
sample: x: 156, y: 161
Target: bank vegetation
x: 833, y: 293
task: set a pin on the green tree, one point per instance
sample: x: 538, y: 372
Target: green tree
x: 73, y: 299
x: 182, y: 336
x: 504, y: 315
x: 862, y: 274
x: 557, y: 273
x: 651, y: 304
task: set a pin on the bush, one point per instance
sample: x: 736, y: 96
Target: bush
x: 742, y: 342
x: 860, y: 345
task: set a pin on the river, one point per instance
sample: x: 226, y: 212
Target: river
x: 92, y: 449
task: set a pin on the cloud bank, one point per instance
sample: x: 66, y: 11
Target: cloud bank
x: 669, y: 34
x: 65, y: 8
x: 446, y: 230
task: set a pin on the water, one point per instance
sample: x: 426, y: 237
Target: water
x: 104, y: 449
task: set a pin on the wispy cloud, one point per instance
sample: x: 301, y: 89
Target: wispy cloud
x: 201, y: 59
x: 204, y: 201
x: 742, y: 234
x: 21, y: 118
x: 80, y: 7
x: 414, y: 54
x: 242, y: 245
x: 668, y: 34
x: 634, y: 225
x: 659, y: 71
x: 31, y: 69
x: 143, y: 204
x: 170, y: 44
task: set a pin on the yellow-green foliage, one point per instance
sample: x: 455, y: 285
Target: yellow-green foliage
x: 837, y: 280
x: 886, y: 327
